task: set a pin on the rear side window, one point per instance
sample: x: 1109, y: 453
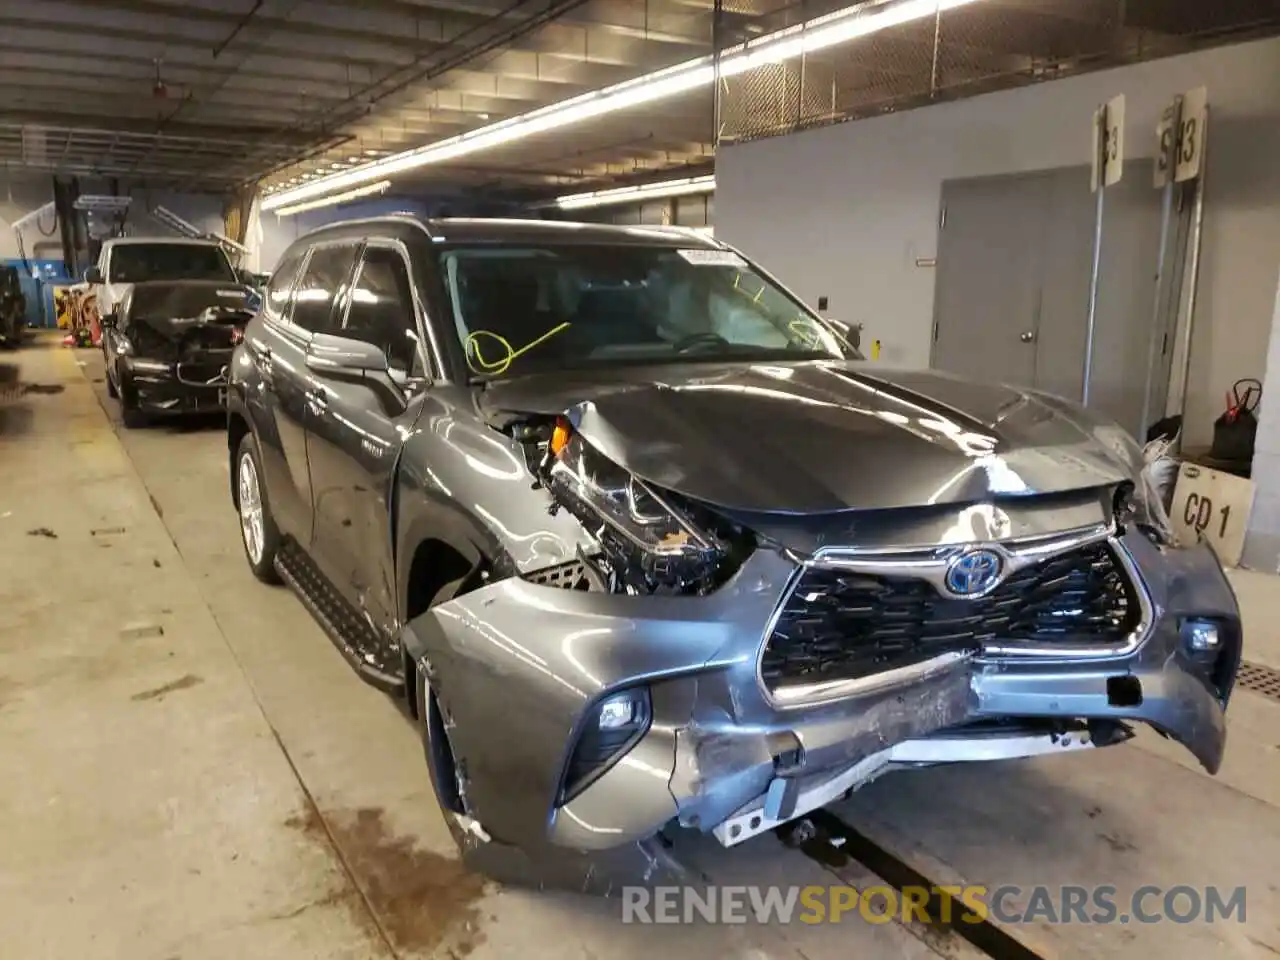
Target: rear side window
x: 281, y: 283
x: 323, y: 281
x: 381, y: 310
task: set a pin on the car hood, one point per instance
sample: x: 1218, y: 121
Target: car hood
x: 827, y: 436
x: 172, y: 308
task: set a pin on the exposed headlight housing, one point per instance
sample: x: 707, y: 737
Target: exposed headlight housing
x: 653, y: 542
x: 1140, y: 505
x: 141, y: 340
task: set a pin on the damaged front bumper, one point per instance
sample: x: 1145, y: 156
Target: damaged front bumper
x: 522, y: 670
x: 162, y: 387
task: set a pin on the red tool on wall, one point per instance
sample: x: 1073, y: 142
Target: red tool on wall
x: 1235, y: 432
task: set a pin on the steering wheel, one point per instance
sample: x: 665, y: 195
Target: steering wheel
x: 696, y: 339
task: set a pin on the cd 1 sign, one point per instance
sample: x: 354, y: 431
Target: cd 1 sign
x: 1214, y: 506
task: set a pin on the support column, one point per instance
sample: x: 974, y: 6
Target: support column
x: 1262, y: 545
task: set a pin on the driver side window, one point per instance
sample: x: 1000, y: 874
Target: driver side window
x: 381, y: 307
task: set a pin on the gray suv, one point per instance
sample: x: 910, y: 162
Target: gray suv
x: 645, y: 544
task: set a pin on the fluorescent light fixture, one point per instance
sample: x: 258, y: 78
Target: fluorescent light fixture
x: 329, y: 201
x: 176, y: 223
x: 102, y: 202
x: 813, y: 35
x: 645, y: 191
x: 228, y: 242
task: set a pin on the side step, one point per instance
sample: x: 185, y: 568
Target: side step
x: 355, y: 639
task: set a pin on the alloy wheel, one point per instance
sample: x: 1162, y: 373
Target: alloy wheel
x: 251, y: 526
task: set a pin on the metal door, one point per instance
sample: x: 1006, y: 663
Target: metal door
x: 987, y: 294
x: 1012, y: 288
x: 1123, y: 332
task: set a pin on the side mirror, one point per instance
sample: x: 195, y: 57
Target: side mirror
x: 93, y: 275
x: 355, y: 361
x: 850, y: 333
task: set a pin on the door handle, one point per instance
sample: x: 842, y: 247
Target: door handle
x: 1028, y: 336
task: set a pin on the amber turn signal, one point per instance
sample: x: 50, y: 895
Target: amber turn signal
x: 560, y: 435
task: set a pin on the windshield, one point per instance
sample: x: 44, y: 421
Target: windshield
x: 523, y: 309
x: 143, y: 262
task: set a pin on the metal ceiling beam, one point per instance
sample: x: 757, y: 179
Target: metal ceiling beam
x: 170, y: 41
x: 417, y: 71
x: 249, y: 137
x: 265, y: 25
x: 20, y: 55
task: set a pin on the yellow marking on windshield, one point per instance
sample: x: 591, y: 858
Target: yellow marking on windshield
x: 477, y: 362
x: 807, y: 332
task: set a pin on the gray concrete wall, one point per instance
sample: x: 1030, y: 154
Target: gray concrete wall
x: 19, y: 195
x: 845, y: 211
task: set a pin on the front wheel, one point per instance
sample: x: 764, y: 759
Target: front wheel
x: 130, y: 415
x: 112, y: 392
x: 258, y: 531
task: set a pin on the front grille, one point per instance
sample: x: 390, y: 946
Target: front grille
x: 838, y: 625
x: 207, y: 371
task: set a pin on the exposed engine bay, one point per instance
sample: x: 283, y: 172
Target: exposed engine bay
x: 649, y: 541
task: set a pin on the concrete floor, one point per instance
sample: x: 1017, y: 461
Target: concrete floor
x: 191, y: 770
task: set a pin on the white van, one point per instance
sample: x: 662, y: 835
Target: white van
x: 125, y: 261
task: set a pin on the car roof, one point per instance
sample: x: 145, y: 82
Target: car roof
x: 510, y: 230
x: 192, y: 241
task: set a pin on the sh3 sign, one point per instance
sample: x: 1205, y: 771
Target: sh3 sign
x: 1214, y: 506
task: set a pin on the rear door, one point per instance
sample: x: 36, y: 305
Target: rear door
x: 279, y: 346
x: 354, y: 435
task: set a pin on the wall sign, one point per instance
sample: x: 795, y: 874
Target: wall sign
x: 1192, y: 127
x: 1108, y: 143
x: 1215, y: 506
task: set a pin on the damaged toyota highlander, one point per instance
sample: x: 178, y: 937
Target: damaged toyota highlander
x: 646, y: 544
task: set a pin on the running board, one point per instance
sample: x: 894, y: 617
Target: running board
x: 355, y: 639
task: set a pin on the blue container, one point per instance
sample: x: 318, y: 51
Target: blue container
x: 39, y: 292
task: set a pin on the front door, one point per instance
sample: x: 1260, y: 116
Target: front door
x: 279, y: 347
x: 354, y: 436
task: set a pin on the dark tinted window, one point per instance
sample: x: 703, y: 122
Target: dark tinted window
x: 141, y: 262
x: 322, y: 282
x: 521, y: 309
x: 281, y: 283
x: 381, y: 308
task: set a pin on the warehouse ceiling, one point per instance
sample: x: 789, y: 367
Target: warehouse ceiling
x: 210, y: 94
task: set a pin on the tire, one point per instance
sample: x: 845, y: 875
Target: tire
x: 259, y: 534
x: 440, y: 759
x: 130, y: 415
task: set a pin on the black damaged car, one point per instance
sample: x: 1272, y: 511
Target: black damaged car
x: 167, y: 346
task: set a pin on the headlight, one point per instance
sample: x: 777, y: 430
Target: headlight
x: 626, y: 504
x: 651, y: 542
x: 142, y: 340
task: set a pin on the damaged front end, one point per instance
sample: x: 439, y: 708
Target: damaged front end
x: 180, y: 364
x: 691, y: 666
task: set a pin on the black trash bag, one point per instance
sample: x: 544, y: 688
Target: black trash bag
x: 1236, y: 431
x: 1166, y: 429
